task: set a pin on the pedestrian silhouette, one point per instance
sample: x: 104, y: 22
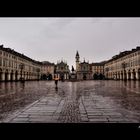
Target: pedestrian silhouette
x: 56, y: 80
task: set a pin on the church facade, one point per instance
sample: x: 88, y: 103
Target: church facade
x: 83, y: 70
x: 87, y: 71
x: 62, y: 70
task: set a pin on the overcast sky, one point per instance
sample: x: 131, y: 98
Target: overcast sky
x: 53, y: 39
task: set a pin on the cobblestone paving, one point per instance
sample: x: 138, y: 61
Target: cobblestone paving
x: 70, y: 113
x: 82, y: 102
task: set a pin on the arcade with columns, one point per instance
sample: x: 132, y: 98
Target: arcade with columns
x: 125, y: 66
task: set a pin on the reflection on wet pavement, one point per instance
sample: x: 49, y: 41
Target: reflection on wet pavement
x: 70, y: 102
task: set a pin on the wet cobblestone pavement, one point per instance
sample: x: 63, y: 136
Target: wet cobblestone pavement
x: 72, y: 102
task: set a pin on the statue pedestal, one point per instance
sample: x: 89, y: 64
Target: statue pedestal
x: 73, y: 77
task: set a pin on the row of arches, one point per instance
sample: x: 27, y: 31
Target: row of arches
x: 98, y: 76
x: 62, y: 76
x: 17, y: 75
x: 46, y: 77
x: 124, y: 75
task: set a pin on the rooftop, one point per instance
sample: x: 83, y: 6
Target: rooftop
x: 124, y: 53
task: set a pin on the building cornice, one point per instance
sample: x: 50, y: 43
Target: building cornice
x: 122, y: 54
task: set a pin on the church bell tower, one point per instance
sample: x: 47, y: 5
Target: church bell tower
x: 77, y: 60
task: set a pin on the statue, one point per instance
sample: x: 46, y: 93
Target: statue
x: 73, y: 74
x: 72, y: 69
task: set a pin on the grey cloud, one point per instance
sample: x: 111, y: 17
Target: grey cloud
x: 51, y: 39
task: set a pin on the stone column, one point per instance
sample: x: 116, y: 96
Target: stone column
x: 3, y: 76
x: 137, y: 75
x: 120, y: 76
x: 127, y: 75
x: 18, y: 76
x: 8, y: 77
x: 13, y: 76
x: 132, y: 76
x: 65, y: 76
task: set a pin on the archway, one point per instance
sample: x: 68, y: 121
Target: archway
x: 16, y: 76
x: 44, y: 77
x: 139, y: 74
x: 0, y: 74
x: 129, y: 75
x: 84, y: 76
x: 121, y: 76
x: 101, y: 76
x: 6, y: 75
x: 49, y: 76
x: 11, y: 76
x: 134, y: 74
x: 62, y: 76
x: 95, y: 76
x: 125, y: 75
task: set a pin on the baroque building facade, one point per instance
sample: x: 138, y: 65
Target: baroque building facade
x: 87, y: 71
x: 124, y: 66
x: 62, y: 70
x: 83, y: 69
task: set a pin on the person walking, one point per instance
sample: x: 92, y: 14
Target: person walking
x: 56, y: 80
